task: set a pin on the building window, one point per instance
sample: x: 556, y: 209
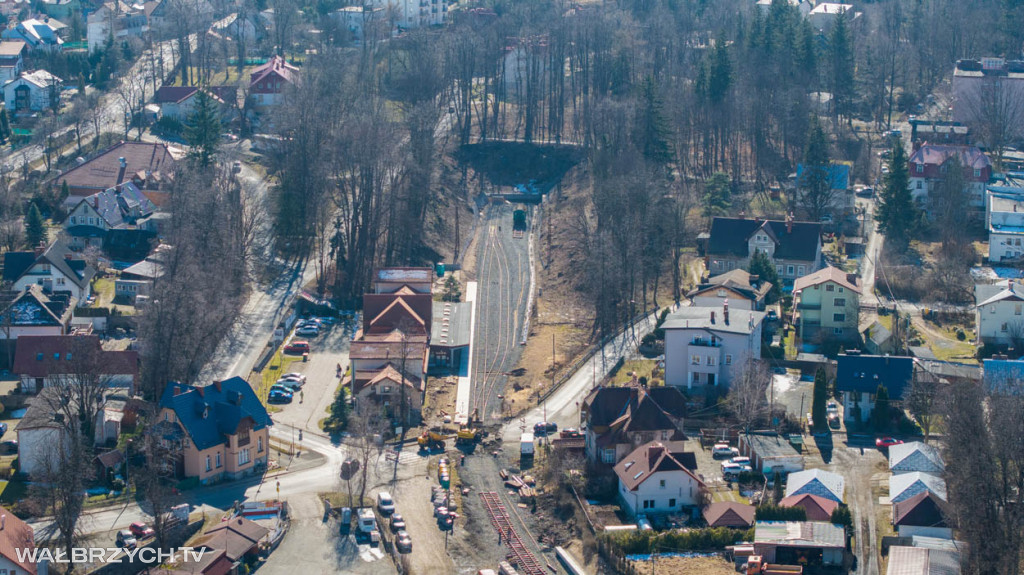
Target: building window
x: 208, y: 463
x: 695, y: 360
x: 661, y: 484
x: 789, y: 270
x: 608, y: 456
x: 721, y: 293
x: 72, y: 220
x: 243, y: 457
x: 919, y: 168
x: 1016, y: 309
x: 839, y: 302
x: 1003, y: 327
x: 839, y: 317
x: 1016, y: 242
x: 259, y: 445
x: 648, y: 504
x: 919, y: 184
x: 728, y: 359
x: 778, y: 269
x: 840, y: 289
x: 710, y: 360
x: 977, y: 173
x: 992, y: 309
x: 830, y: 287
x: 732, y: 265
x: 800, y: 270
x: 60, y: 281
x: 672, y: 502
x: 385, y: 389
x: 218, y: 461
x: 837, y: 331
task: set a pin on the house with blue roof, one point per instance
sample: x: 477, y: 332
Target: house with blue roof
x: 858, y: 377
x: 818, y: 482
x: 220, y: 430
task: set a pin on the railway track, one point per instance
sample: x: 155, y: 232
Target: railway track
x: 524, y: 560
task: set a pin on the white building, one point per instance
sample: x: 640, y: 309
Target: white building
x: 55, y: 269
x: 903, y: 486
x: 356, y: 19
x: 37, y: 34
x: 916, y: 456
x: 825, y: 14
x: 1004, y: 216
x: 710, y: 346
x: 408, y: 14
x: 818, y: 482
x: 804, y: 6
x: 12, y: 60
x: 999, y: 314
x: 981, y: 84
x: 32, y: 92
x: 122, y: 20
x: 652, y: 480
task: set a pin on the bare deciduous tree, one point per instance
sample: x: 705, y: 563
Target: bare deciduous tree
x: 746, y: 398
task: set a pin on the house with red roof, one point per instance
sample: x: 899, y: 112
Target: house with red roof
x: 818, y: 508
x: 929, y: 164
x: 653, y: 480
x: 268, y: 83
x: 16, y: 539
x: 179, y: 102
x: 827, y: 305
x: 46, y: 360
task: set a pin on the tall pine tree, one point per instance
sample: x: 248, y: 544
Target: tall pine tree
x: 816, y: 180
x: 819, y: 400
x: 896, y: 213
x: 840, y: 55
x: 203, y: 130
x: 35, y: 227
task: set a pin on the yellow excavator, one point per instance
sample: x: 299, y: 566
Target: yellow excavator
x: 432, y: 438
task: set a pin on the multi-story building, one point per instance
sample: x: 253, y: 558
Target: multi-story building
x: 710, y: 346
x: 269, y: 82
x: 929, y: 164
x: 406, y: 14
x: 794, y: 247
x: 827, y: 305
x: 742, y: 290
x: 989, y: 88
x: 620, y: 419
x: 999, y: 313
x: 1004, y: 218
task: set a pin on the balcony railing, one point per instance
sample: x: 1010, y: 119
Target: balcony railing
x: 700, y: 342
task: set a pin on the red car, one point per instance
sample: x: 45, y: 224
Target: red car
x: 297, y: 347
x: 141, y: 530
x: 885, y: 442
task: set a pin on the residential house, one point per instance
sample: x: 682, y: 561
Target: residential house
x: 980, y: 81
x: 794, y: 247
x: 939, y: 131
x: 37, y: 34
x: 12, y: 61
x: 237, y: 537
x: 709, y: 347
x: 244, y: 29
x: 403, y: 280
x: 816, y: 482
x: 17, y: 544
x: 903, y: 486
x: 620, y: 419
x: 219, y: 431
x: 827, y: 304
x: 742, y: 289
x: 382, y: 387
x: 928, y: 166
x: 999, y: 313
x: 408, y: 14
x: 770, y: 453
x: 652, y: 480
x: 124, y: 207
x: 32, y: 92
x: 837, y: 174
x: 61, y: 9
x: 812, y: 543
x: 213, y: 562
x: 55, y: 269
x: 148, y: 165
x: 859, y: 376
x: 42, y: 431
x: 1003, y: 376
x: 803, y: 6
x: 730, y: 514
x: 118, y: 20
x: 818, y: 508
x: 1004, y: 216
x: 179, y: 102
x: 46, y: 360
x: 916, y: 456
x: 878, y: 340
x: 359, y: 19
x: 137, y: 279
x: 923, y: 561
x: 923, y: 514
x: 33, y: 313
x: 824, y: 14
x: 269, y: 83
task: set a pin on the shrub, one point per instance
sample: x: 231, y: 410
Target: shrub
x: 960, y: 335
x: 769, y: 512
x: 841, y: 516
x: 642, y: 542
x: 117, y: 484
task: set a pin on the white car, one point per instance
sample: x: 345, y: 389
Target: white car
x: 739, y: 461
x: 733, y: 470
x: 294, y: 376
x: 723, y: 450
x: 831, y: 408
x: 385, y: 503
x: 308, y: 330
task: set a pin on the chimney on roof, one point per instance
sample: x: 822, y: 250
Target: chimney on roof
x: 96, y: 202
x: 852, y: 278
x: 40, y: 249
x: 216, y: 385
x: 3, y: 521
x: 916, y: 145
x: 177, y: 389
x: 199, y: 390
x: 122, y: 162
x: 789, y: 223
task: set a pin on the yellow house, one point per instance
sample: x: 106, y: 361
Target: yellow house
x: 218, y: 431
x: 827, y: 305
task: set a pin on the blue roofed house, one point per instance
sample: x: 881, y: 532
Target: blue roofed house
x: 916, y: 456
x: 816, y: 482
x: 842, y: 199
x: 858, y: 377
x: 217, y: 431
x: 903, y: 486
x: 1003, y: 376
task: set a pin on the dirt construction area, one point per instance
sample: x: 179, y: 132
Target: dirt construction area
x: 686, y: 566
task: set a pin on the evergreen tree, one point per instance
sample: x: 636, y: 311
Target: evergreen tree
x: 653, y: 128
x: 717, y: 198
x: 65, y: 191
x: 720, y: 76
x: 840, y: 53
x: 819, y: 400
x: 35, y: 227
x: 5, y: 126
x: 763, y: 267
x: 896, y: 213
x: 841, y: 516
x: 339, y: 411
x: 203, y: 130
x: 880, y: 415
x: 816, y: 179
x: 452, y: 290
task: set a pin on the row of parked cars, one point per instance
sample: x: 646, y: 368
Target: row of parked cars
x: 367, y: 523
x: 129, y: 538
x: 286, y: 387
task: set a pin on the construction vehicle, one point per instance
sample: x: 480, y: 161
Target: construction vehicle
x: 467, y: 435
x: 433, y: 438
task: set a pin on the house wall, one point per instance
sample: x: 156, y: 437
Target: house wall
x: 1005, y: 245
x: 34, y: 445
x: 391, y: 398
x: 865, y: 400
x: 729, y: 356
x: 39, y: 98
x: 999, y: 322
x: 679, y: 486
x: 51, y: 279
x: 132, y: 288
x: 714, y: 297
x: 921, y: 186
x: 32, y: 330
x: 818, y: 311
x: 971, y: 91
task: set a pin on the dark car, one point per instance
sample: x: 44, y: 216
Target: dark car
x: 297, y: 347
x: 865, y: 192
x: 544, y: 428
x: 125, y: 539
x: 3, y: 428
x: 278, y: 396
x: 140, y: 530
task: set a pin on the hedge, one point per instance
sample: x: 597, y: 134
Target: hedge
x: 708, y: 539
x: 769, y: 512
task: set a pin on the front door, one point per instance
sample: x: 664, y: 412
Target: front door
x: 711, y: 379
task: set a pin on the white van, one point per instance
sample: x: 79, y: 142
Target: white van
x: 367, y: 520
x: 385, y: 504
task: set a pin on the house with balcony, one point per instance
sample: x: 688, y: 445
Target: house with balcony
x: 621, y: 419
x: 12, y: 60
x: 652, y: 479
x: 794, y: 247
x: 859, y: 376
x: 706, y: 347
x: 269, y: 83
x: 929, y: 164
x: 124, y: 207
x: 1004, y: 217
x: 32, y: 92
x: 215, y: 431
x: 827, y: 305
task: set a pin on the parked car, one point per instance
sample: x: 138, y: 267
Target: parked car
x: 570, y: 432
x: 832, y: 407
x: 277, y: 387
x: 346, y: 519
x: 403, y: 542
x: 724, y: 450
x: 731, y: 470
x: 140, y: 530
x: 3, y: 428
x: 866, y: 192
x: 309, y: 330
x: 397, y: 522
x: 887, y: 442
x: 385, y: 504
x: 8, y: 447
x: 297, y: 347
x: 772, y: 315
x: 827, y: 219
x: 125, y: 539
x: 294, y: 376
x: 544, y: 428
x: 833, y: 420
x: 289, y: 384
x: 278, y: 396
x: 741, y: 460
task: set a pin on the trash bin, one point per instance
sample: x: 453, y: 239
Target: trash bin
x: 440, y: 269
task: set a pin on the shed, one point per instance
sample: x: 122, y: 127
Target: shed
x: 800, y: 542
x: 729, y: 514
x: 770, y: 452
x: 818, y: 508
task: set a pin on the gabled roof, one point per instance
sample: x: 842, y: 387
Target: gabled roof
x: 33, y: 307
x: 1014, y: 291
x: 276, y: 66
x: 816, y: 482
x: 729, y: 236
x: 924, y: 510
x: 738, y: 280
x: 451, y: 324
x: 864, y: 373
x: 906, y: 485
x: 40, y: 78
x: 174, y: 94
x: 118, y: 204
x: 729, y: 514
x: 608, y: 405
x: 104, y: 171
x: 235, y: 537
x: 16, y: 537
x: 70, y: 264
x: 645, y: 461
x: 800, y: 534
x: 46, y: 355
x: 212, y: 412
x: 828, y: 274
x: 389, y: 373
x: 916, y: 456
x: 969, y: 156
x: 386, y: 312
x: 922, y: 561
x: 818, y: 508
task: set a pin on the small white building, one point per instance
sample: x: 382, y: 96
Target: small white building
x: 1004, y: 216
x: 824, y: 14
x: 999, y: 313
x: 804, y: 6
x: 653, y: 480
x: 32, y: 92
x: 121, y: 20
x: 408, y: 14
x: 709, y: 346
x: 12, y: 60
